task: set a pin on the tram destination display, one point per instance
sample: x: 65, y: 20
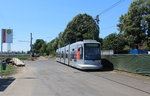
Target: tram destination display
x: 91, y: 45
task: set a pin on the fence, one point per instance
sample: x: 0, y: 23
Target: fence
x: 131, y: 63
x: 14, y: 55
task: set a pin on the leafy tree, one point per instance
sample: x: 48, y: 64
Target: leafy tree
x: 43, y: 49
x: 38, y: 45
x: 136, y: 23
x: 52, y: 46
x: 81, y: 27
x: 60, y: 40
x: 114, y: 42
x: 101, y: 41
x: 49, y: 48
x: 55, y: 44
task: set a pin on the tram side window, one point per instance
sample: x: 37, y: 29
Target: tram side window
x: 81, y: 53
x: 59, y: 54
x: 72, y: 54
x: 75, y: 55
x: 67, y: 54
x: 56, y: 54
x: 62, y: 54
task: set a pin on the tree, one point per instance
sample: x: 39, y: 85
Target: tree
x: 101, y: 41
x: 49, y: 48
x: 43, y: 50
x: 81, y: 27
x: 136, y: 23
x: 114, y: 42
x: 38, y: 45
x: 60, y: 40
x: 52, y: 46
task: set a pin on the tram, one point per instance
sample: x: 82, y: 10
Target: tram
x: 84, y: 55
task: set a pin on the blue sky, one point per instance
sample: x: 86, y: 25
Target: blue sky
x: 45, y: 19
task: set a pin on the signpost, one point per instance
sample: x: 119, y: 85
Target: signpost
x: 7, y: 37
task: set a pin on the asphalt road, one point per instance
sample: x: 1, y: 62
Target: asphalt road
x: 49, y: 78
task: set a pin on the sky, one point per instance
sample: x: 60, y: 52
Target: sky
x: 45, y: 19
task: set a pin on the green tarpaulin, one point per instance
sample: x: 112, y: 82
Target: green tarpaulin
x: 131, y: 63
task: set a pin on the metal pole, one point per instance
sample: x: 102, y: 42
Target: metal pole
x: 8, y: 47
x: 31, y: 43
x: 1, y: 46
x: 1, y: 68
x: 2, y: 42
x: 97, y: 22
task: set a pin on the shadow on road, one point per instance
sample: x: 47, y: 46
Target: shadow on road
x: 107, y: 65
x: 5, y: 82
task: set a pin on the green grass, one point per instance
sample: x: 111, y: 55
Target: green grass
x: 2, y: 58
x: 23, y: 58
x: 9, y: 69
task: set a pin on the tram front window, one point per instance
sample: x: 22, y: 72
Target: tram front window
x: 92, y: 51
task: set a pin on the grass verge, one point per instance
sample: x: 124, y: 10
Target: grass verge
x: 23, y: 58
x: 10, y: 69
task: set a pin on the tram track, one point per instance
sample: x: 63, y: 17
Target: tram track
x: 129, y: 86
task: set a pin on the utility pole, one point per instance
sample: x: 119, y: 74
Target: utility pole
x: 97, y: 22
x: 31, y: 44
x: 97, y: 19
x: 2, y: 46
x: 2, y: 36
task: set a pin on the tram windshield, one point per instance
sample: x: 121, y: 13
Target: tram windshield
x: 92, y: 51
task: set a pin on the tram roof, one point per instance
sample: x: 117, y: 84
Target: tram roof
x: 85, y: 41
x: 80, y: 42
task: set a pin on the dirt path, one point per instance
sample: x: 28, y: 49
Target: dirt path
x: 42, y: 58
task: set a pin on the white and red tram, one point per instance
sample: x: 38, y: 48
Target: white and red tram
x: 82, y: 55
